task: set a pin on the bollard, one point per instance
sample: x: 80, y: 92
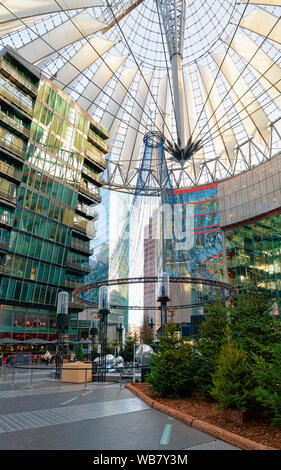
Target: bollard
x: 5, y: 374
x: 86, y: 388
x: 120, y: 377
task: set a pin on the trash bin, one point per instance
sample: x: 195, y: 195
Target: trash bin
x: 74, y: 372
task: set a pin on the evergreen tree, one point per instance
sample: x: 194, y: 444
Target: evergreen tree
x: 253, y: 327
x: 146, y: 335
x: 208, y: 346
x: 233, y: 385
x: 268, y: 377
x: 79, y: 353
x: 172, y: 369
x: 128, y: 350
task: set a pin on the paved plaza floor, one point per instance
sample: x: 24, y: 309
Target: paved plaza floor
x: 40, y: 413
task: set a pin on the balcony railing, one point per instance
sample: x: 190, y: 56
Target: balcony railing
x: 6, y: 220
x: 8, y: 196
x: 87, y: 210
x: 8, y: 170
x: 92, y: 194
x: 16, y: 77
x: 81, y: 247
x: 96, y: 159
x: 98, y: 141
x: 14, y: 125
x: 76, y: 305
x: 5, y: 144
x: 72, y: 284
x: 82, y: 227
x: 21, y: 103
x: 4, y: 245
x: 78, y: 266
x: 93, y: 176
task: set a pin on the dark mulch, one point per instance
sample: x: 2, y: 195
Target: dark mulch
x: 256, y: 428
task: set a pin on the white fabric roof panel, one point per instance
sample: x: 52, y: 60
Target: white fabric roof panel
x: 85, y: 57
x: 224, y: 139
x: 192, y: 127
x: 61, y: 36
x: 266, y: 71
x: 263, y: 2
x: 125, y: 80
x: 263, y: 23
x: 136, y: 117
x: 252, y: 116
x: 104, y: 73
x: 164, y: 103
x: 9, y: 9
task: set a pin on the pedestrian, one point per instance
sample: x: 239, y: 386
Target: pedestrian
x: 47, y: 357
x: 1, y: 359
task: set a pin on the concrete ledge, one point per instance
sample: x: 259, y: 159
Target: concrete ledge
x: 220, y: 433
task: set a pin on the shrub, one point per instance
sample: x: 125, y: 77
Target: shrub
x: 172, y: 369
x: 268, y: 393
x: 253, y: 327
x: 79, y: 353
x: 213, y: 335
x: 233, y: 385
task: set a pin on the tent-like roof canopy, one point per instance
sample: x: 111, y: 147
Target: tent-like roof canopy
x: 209, y: 67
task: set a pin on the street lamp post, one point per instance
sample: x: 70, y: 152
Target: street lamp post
x: 93, y: 333
x: 163, y: 296
x: 120, y: 331
x: 62, y: 324
x: 152, y: 325
x: 103, y: 314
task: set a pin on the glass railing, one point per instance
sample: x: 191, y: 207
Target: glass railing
x: 97, y: 140
x: 81, y: 247
x: 91, y: 192
x: 91, y: 153
x: 9, y: 171
x: 4, y: 244
x: 6, y: 144
x: 8, y: 196
x: 14, y: 124
x: 72, y: 284
x: 20, y: 102
x: 80, y: 226
x: 6, y: 219
x: 78, y: 266
x: 93, y: 175
x: 88, y: 210
x: 11, y: 72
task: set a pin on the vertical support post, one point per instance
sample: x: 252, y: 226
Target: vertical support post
x: 103, y: 312
x: 86, y: 371
x: 62, y: 324
x: 134, y: 365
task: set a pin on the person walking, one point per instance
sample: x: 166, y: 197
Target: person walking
x: 47, y: 357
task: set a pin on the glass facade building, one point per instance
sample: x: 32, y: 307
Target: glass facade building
x: 253, y: 251
x: 51, y: 157
x: 112, y: 214
x: 198, y: 249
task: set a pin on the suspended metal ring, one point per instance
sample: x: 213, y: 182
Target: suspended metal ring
x: 232, y: 291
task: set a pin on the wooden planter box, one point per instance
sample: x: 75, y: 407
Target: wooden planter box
x: 74, y: 372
